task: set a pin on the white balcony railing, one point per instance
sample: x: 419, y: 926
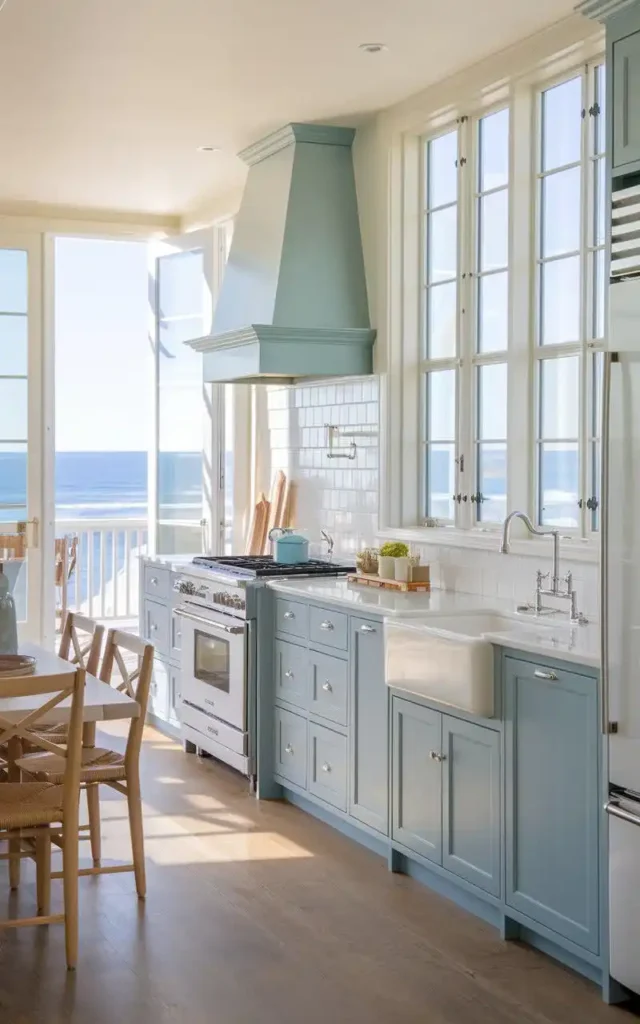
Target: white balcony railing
x: 105, y: 582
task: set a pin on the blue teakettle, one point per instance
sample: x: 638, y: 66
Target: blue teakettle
x: 288, y: 547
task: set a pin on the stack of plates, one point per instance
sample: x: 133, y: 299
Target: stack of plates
x: 16, y: 665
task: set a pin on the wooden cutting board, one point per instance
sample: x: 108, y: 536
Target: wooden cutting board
x: 258, y: 527
x: 276, y: 508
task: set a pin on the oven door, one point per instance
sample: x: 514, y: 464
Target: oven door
x: 213, y: 665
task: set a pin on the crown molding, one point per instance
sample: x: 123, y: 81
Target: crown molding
x: 320, y: 134
x: 600, y: 10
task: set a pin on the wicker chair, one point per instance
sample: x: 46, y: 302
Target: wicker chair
x: 32, y: 814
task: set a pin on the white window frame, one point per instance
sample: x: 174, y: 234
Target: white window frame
x: 473, y: 94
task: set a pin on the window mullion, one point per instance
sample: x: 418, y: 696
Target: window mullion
x: 466, y: 263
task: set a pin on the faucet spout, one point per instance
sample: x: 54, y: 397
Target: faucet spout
x: 538, y: 532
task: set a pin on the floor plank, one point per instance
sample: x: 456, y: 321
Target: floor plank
x: 257, y: 912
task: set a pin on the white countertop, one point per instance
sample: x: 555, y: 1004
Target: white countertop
x: 578, y: 644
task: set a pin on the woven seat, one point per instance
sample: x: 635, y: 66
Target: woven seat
x: 98, y: 765
x: 28, y: 804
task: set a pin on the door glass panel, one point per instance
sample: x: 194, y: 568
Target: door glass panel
x: 493, y: 312
x: 492, y: 482
x: 442, y: 184
x: 560, y: 287
x: 180, y: 283
x: 494, y: 231
x: 442, y: 245
x: 494, y: 150
x: 492, y: 402
x: 562, y: 124
x: 441, y: 327
x: 441, y: 399
x: 212, y: 658
x: 14, y: 281
x: 561, y: 213
x: 13, y: 409
x: 13, y: 344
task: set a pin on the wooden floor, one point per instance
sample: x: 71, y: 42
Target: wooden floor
x: 258, y: 913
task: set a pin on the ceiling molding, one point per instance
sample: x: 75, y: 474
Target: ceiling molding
x: 600, y: 10
x: 323, y: 134
x: 44, y: 217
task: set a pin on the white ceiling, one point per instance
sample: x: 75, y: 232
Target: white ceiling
x: 103, y: 103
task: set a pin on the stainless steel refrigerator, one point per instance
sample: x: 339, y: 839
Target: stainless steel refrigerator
x: 620, y: 599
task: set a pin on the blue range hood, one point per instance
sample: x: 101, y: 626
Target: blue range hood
x: 293, y: 303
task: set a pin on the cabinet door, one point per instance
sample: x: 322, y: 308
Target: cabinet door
x: 552, y: 798
x: 417, y: 779
x: 471, y: 803
x: 626, y: 100
x: 159, y: 690
x: 175, y: 697
x: 369, y: 791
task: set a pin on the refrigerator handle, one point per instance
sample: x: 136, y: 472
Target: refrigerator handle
x: 606, y: 726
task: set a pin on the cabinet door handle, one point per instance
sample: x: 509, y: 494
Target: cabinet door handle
x: 539, y: 674
x: 153, y: 581
x: 367, y: 629
x: 289, y: 615
x: 153, y: 628
x: 211, y: 702
x: 435, y: 756
x: 326, y: 625
x: 288, y: 749
x: 327, y: 687
x: 326, y: 767
x: 288, y: 675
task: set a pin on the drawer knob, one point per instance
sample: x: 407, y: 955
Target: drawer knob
x: 539, y: 674
x: 288, y: 674
x: 327, y: 687
x: 288, y: 749
x: 326, y: 625
x: 154, y: 581
x: 367, y: 629
x: 153, y: 628
x: 435, y: 756
x: 289, y: 615
x: 212, y: 730
x: 326, y: 767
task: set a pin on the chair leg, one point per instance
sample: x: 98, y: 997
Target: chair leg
x: 43, y: 873
x: 70, y: 884
x: 134, y: 802
x: 15, y: 847
x: 93, y: 806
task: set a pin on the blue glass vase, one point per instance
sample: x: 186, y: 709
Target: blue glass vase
x: 8, y: 622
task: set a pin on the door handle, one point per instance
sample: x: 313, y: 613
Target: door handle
x: 326, y: 625
x: 367, y: 629
x: 539, y: 674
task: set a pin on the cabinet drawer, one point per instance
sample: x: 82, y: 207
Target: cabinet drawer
x: 328, y: 687
x: 328, y: 765
x: 175, y: 639
x: 292, y: 617
x: 157, y: 582
x: 291, y: 747
x: 156, y: 625
x: 330, y: 628
x: 291, y: 673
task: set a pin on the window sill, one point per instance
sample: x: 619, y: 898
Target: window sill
x: 571, y: 548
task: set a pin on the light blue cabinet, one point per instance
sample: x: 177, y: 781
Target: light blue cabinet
x: 625, y: 55
x: 417, y: 779
x: 471, y: 803
x: 552, y: 798
x: 368, y: 736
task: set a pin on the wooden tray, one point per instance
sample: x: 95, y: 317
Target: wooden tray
x: 366, y: 580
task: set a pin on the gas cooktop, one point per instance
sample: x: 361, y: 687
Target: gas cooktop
x: 264, y: 567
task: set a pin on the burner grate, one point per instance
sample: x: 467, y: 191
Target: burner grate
x: 251, y: 566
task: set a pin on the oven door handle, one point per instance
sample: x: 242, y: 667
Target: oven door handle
x: 186, y: 614
x: 614, y: 808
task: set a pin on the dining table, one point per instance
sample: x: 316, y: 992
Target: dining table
x: 102, y: 702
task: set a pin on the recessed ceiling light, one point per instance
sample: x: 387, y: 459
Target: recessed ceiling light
x: 372, y: 47
x: 208, y: 149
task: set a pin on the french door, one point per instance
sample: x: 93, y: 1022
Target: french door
x: 26, y: 445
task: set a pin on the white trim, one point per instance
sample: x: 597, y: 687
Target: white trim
x: 571, y: 548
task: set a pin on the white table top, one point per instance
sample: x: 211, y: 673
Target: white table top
x: 101, y: 701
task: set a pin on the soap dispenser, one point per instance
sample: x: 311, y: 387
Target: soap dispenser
x: 8, y: 622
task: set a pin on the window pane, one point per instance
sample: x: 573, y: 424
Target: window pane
x: 561, y: 213
x: 559, y: 468
x: 177, y: 362
x: 441, y: 321
x: 493, y: 312
x: 600, y: 170
x: 492, y: 402
x: 441, y: 405
x: 180, y: 419
x: 441, y: 480
x: 442, y: 261
x: 13, y: 345
x: 180, y: 486
x: 13, y: 410
x: 559, y: 397
x: 492, y: 482
x: 13, y: 480
x: 562, y: 124
x: 442, y: 175
x: 494, y: 230
x: 601, y: 97
x: 494, y: 150
x: 13, y: 281
x: 560, y: 287
x: 600, y: 292
x: 181, y: 283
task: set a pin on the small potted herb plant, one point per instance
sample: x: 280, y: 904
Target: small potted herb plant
x: 387, y: 558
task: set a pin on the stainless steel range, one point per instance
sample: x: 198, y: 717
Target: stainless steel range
x: 219, y: 612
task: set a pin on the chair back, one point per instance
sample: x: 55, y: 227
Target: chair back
x: 27, y: 714
x: 134, y: 680
x: 84, y: 637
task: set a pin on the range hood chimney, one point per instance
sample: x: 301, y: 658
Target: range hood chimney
x: 293, y: 303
